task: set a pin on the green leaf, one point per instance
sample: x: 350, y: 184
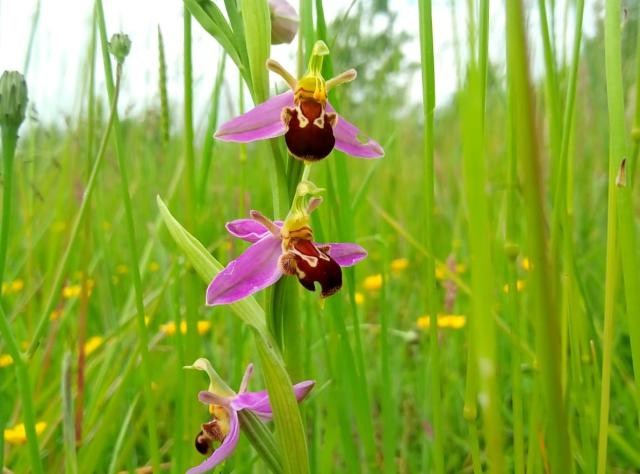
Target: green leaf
x: 257, y: 32
x: 208, y: 267
x: 286, y: 414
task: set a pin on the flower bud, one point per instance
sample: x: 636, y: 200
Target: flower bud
x: 284, y: 22
x: 13, y: 99
x: 119, y: 46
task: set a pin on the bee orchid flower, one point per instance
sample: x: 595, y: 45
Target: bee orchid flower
x: 224, y: 406
x: 304, y: 116
x: 282, y: 248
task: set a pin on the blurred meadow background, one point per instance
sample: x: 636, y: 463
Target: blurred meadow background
x: 504, y: 205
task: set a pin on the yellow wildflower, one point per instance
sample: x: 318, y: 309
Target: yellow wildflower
x: 18, y: 435
x: 526, y: 264
x: 359, y: 298
x: 519, y: 286
x: 5, y: 360
x: 373, y: 282
x: 450, y: 321
x: 154, y: 267
x: 399, y: 264
x: 72, y: 291
x: 92, y: 344
x: 12, y: 287
x: 169, y: 328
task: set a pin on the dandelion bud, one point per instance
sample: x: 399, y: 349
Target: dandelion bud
x: 119, y: 46
x: 13, y: 99
x: 284, y: 22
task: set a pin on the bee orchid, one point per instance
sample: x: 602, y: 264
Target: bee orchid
x: 219, y: 437
x: 310, y: 125
x: 282, y: 248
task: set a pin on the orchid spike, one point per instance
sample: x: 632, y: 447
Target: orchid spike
x: 304, y: 116
x: 224, y: 406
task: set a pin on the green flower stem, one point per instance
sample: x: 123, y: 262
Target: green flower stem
x: 428, y: 97
x: 9, y: 143
x: 544, y: 314
x: 143, y: 337
x: 24, y: 387
x: 518, y: 322
x: 617, y: 150
x: 261, y: 439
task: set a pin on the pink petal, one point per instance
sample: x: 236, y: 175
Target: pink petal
x: 352, y: 141
x: 259, y: 123
x: 345, y: 254
x: 248, y: 229
x: 252, y: 271
x: 245, y: 378
x: 258, y: 402
x: 226, y: 448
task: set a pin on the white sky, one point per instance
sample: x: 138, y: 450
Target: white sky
x: 56, y: 70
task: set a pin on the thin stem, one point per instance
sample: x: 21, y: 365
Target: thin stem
x: 24, y: 386
x: 188, y: 117
x: 544, y: 314
x: 613, y: 70
x: 428, y: 97
x: 9, y: 142
x: 143, y: 337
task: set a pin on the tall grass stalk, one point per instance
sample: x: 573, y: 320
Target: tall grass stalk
x: 339, y: 198
x: 512, y: 250
x: 617, y: 151
x: 483, y: 352
x: 9, y: 144
x: 24, y: 388
x: 143, y: 337
x: 544, y: 315
x: 428, y: 107
x: 635, y: 129
x: 189, y: 153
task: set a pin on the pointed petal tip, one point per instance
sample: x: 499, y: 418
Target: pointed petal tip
x: 302, y: 389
